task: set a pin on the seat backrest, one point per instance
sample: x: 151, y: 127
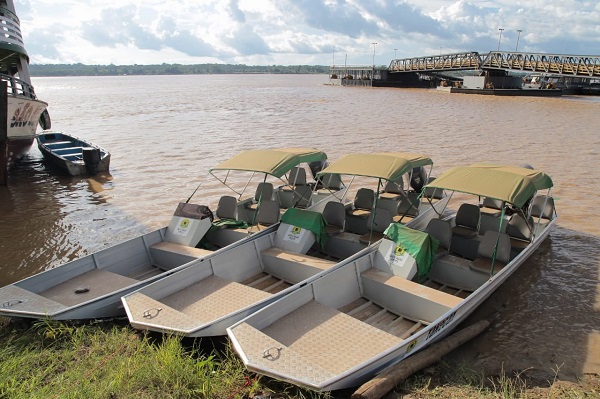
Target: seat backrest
x: 380, y: 218
x: 492, y: 203
x: 364, y: 199
x: 268, y: 213
x: 297, y: 177
x: 301, y: 197
x: 440, y: 230
x: 264, y: 191
x: 332, y: 181
x: 518, y: 227
x: 433, y: 193
x: 542, y: 206
x: 227, y: 207
x: 334, y: 214
x: 468, y: 215
x: 394, y: 187
x: 409, y: 204
x: 488, y: 242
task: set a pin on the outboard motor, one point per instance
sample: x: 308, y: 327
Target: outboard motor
x: 91, y: 159
x: 418, y: 179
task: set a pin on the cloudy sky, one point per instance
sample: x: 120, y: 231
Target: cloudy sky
x: 289, y: 32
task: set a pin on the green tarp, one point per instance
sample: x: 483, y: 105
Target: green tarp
x: 418, y: 244
x: 309, y: 220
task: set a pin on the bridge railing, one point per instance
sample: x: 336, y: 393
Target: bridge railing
x: 442, y: 62
x: 561, y: 64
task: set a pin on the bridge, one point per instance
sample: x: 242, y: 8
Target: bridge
x: 583, y: 66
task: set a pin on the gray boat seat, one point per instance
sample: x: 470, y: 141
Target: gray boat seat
x: 297, y: 177
x: 408, y: 208
x: 485, y: 253
x: 467, y: 221
x: 301, y: 196
x: 379, y: 220
x: 363, y: 203
x: 330, y: 181
x: 264, y: 191
x: 334, y: 215
x: 227, y: 207
x: 542, y: 209
x: 392, y: 190
x: 268, y: 215
x: 432, y: 194
x: 441, y: 230
x: 519, y: 231
x: 491, y: 207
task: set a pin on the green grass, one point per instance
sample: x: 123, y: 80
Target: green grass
x: 48, y: 359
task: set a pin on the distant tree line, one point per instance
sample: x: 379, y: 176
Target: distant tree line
x: 170, y: 69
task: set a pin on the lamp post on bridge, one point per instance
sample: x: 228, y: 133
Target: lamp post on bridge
x: 373, y: 71
x: 518, y: 36
x: 500, y: 38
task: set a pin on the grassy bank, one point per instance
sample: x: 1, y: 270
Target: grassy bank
x: 44, y: 359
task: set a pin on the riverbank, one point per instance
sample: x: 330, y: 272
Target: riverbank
x: 109, y: 359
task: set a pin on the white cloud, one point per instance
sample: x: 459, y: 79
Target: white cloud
x: 297, y: 31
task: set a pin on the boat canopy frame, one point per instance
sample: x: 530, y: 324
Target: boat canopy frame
x: 388, y: 166
x: 510, y: 184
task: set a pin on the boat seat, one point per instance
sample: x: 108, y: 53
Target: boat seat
x: 467, y: 221
x: 519, y: 231
x: 392, y: 190
x: 297, y: 177
x: 292, y: 267
x: 301, y: 196
x: 408, y: 208
x: 330, y: 181
x: 56, y: 143
x: 379, y: 220
x: 264, y: 191
x: 491, y: 207
x: 335, y: 216
x: 485, y: 253
x: 441, y: 230
x: 227, y: 208
x: 267, y: 215
x: 363, y: 203
x: 542, y: 209
x: 432, y: 194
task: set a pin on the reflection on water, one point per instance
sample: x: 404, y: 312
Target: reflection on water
x: 164, y: 134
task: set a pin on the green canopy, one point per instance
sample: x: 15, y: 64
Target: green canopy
x: 418, y: 244
x: 385, y: 165
x: 504, y: 183
x: 275, y: 162
x: 308, y: 220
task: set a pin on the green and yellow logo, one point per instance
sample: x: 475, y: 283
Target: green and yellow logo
x: 296, y: 230
x: 184, y: 223
x: 399, y: 251
x: 411, y: 346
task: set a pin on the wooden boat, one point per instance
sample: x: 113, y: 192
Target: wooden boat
x: 91, y: 287
x: 407, y: 291
x: 215, y: 292
x: 72, y: 154
x: 24, y: 109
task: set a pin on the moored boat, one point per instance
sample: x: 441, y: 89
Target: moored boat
x: 25, y: 110
x: 72, y: 154
x: 407, y: 291
x: 211, y: 295
x: 91, y: 287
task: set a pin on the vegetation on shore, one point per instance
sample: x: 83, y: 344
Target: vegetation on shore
x: 109, y: 359
x: 170, y: 69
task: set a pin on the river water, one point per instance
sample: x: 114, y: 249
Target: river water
x: 165, y: 132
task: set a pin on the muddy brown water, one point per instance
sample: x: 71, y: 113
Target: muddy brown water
x: 165, y: 132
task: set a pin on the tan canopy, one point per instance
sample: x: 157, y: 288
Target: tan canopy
x: 275, y: 162
x: 506, y: 183
x: 386, y: 165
